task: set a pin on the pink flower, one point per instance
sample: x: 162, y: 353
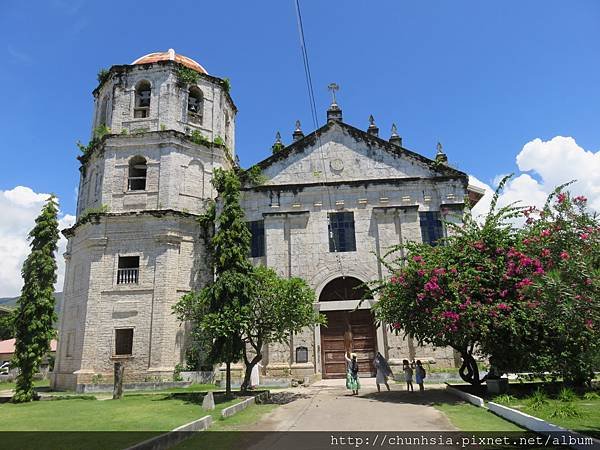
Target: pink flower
x: 545, y: 252
x: 580, y: 199
x: 504, y: 307
x: 584, y: 236
x: 545, y: 233
x: 417, y: 258
x: 503, y: 293
x: 589, y: 323
x: 525, y: 282
x: 420, y: 272
x: 396, y: 325
x: 451, y: 315
x: 479, y: 245
x: 564, y: 256
x: 562, y: 197
x: 588, y: 281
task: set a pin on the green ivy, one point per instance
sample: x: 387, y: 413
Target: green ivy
x: 199, y: 138
x: 98, y: 134
x: 103, y: 76
x: 226, y: 84
x: 87, y: 214
x: 218, y: 140
x: 253, y: 176
x: 277, y: 147
x: 185, y: 75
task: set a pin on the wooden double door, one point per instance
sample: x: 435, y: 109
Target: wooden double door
x: 348, y: 330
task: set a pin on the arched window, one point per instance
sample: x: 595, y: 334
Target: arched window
x: 344, y: 288
x: 143, y: 92
x: 137, y: 174
x: 195, y: 105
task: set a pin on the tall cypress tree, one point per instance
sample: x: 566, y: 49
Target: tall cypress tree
x: 35, y: 313
x: 233, y: 281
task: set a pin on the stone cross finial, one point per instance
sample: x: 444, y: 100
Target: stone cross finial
x: 394, y: 130
x: 371, y: 120
x: 297, y: 134
x: 333, y: 87
x: 298, y: 126
x: 278, y: 138
x: 439, y: 147
x: 395, y: 138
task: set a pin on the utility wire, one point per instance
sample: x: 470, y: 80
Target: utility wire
x: 313, y: 110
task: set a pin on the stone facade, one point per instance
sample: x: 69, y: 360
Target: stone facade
x: 137, y: 248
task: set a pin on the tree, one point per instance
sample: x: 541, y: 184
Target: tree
x: 35, y: 313
x: 232, y: 286
x: 278, y: 307
x: 7, y: 325
x: 465, y: 293
x: 527, y: 298
x: 565, y: 237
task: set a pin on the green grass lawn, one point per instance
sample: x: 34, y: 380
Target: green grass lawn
x: 218, y: 436
x: 467, y: 417
x: 4, y: 386
x: 135, y: 418
x: 588, y: 421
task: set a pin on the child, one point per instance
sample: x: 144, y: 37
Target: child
x: 408, y: 374
x: 420, y: 375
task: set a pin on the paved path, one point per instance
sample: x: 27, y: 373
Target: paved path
x: 327, y: 406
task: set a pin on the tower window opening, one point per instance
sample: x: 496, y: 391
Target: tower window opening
x: 129, y: 270
x: 137, y: 174
x: 143, y: 93
x: 195, y: 105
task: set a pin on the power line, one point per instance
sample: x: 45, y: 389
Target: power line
x: 313, y: 110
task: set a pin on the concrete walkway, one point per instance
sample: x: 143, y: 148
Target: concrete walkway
x: 328, y: 406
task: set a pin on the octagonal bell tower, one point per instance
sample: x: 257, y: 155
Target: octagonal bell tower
x: 161, y: 126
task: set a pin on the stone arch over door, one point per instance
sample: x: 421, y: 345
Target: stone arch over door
x: 348, y: 329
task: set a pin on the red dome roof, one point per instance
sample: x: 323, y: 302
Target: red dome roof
x: 170, y: 55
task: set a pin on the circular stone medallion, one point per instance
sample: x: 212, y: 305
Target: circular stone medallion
x: 337, y: 165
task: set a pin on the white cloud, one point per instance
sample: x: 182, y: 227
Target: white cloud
x: 20, y: 206
x: 555, y: 162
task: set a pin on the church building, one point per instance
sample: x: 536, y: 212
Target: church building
x: 333, y: 201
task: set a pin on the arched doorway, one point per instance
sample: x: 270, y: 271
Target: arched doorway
x: 347, y: 329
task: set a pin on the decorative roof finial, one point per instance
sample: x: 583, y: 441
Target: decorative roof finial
x: 334, y: 112
x: 298, y: 134
x: 373, y: 129
x: 395, y: 137
x: 278, y: 145
x: 440, y: 156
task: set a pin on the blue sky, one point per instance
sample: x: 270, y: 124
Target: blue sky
x: 483, y: 77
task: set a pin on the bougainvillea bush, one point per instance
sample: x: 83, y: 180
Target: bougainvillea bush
x: 565, y: 238
x: 481, y: 290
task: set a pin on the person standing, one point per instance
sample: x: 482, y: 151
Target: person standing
x: 352, y: 382
x: 408, y: 375
x: 255, y: 375
x: 420, y: 375
x: 383, y: 371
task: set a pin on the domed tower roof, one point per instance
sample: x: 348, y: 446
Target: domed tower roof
x: 170, y: 55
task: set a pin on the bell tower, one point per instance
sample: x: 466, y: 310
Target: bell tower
x: 161, y: 126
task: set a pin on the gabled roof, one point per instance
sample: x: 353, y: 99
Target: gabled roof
x: 312, y: 139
